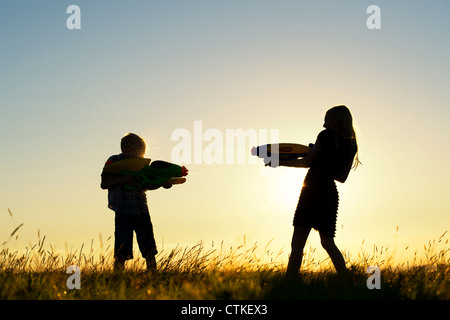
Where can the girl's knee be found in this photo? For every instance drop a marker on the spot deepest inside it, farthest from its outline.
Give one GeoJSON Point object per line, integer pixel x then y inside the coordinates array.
{"type": "Point", "coordinates": [327, 243]}
{"type": "Point", "coordinates": [297, 244]}
{"type": "Point", "coordinates": [299, 237]}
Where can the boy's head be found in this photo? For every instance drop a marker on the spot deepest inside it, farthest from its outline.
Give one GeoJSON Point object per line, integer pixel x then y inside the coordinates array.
{"type": "Point", "coordinates": [132, 146]}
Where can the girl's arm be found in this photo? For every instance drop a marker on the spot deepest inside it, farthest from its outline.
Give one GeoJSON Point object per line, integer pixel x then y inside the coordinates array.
{"type": "Point", "coordinates": [303, 162]}
{"type": "Point", "coordinates": [342, 177]}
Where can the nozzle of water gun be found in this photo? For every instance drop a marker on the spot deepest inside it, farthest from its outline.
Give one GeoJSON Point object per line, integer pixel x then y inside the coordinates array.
{"type": "Point", "coordinates": [184, 171]}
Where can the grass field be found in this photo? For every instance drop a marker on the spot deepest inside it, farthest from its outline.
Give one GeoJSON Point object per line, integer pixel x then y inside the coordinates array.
{"type": "Point", "coordinates": [218, 273]}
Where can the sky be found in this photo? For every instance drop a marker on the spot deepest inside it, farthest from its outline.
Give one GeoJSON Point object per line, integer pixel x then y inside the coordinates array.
{"type": "Point", "coordinates": [67, 97]}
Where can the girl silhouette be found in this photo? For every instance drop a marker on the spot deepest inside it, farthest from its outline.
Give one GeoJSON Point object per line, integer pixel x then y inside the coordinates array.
{"type": "Point", "coordinates": [330, 159]}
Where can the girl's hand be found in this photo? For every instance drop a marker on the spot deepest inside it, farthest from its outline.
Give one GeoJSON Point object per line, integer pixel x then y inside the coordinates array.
{"type": "Point", "coordinates": [297, 163]}
{"type": "Point", "coordinates": [272, 164]}
{"type": "Point", "coordinates": [306, 161]}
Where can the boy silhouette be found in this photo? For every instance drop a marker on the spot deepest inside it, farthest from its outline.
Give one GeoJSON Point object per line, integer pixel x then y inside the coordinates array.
{"type": "Point", "coordinates": [130, 207]}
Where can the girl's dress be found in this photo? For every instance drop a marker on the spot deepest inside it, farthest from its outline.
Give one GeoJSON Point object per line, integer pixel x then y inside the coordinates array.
{"type": "Point", "coordinates": [319, 199]}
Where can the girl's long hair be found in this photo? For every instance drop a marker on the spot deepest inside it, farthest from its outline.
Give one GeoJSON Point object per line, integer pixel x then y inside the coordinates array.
{"type": "Point", "coordinates": [344, 125]}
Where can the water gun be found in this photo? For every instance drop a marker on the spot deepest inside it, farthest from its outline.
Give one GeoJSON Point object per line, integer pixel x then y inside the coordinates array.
{"type": "Point", "coordinates": [156, 172]}
{"type": "Point", "coordinates": [281, 151]}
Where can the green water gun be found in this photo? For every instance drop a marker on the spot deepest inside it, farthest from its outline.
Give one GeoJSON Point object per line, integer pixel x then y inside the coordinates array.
{"type": "Point", "coordinates": [157, 173]}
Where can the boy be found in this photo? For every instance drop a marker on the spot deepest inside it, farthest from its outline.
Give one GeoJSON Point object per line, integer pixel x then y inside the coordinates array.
{"type": "Point", "coordinates": [130, 208]}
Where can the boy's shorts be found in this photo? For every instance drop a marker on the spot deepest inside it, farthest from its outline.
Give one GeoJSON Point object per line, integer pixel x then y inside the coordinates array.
{"type": "Point", "coordinates": [123, 242]}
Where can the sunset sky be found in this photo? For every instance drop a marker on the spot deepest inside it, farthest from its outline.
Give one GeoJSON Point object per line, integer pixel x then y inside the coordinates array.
{"type": "Point", "coordinates": [152, 67]}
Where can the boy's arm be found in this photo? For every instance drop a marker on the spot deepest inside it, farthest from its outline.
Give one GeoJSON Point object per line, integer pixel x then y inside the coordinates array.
{"type": "Point", "coordinates": [149, 187]}
{"type": "Point", "coordinates": [110, 181]}
{"type": "Point", "coordinates": [165, 185]}
{"type": "Point", "coordinates": [303, 162]}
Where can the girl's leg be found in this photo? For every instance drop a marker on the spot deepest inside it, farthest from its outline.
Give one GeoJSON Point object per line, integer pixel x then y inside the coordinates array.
{"type": "Point", "coordinates": [334, 253]}
{"type": "Point", "coordinates": [298, 243]}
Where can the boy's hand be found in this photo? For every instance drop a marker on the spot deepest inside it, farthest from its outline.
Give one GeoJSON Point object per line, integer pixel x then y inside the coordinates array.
{"type": "Point", "coordinates": [166, 185]}
{"type": "Point", "coordinates": [109, 182]}
{"type": "Point", "coordinates": [127, 179]}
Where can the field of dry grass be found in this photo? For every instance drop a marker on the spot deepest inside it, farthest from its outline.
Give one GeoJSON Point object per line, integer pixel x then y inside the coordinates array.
{"type": "Point", "coordinates": [237, 273]}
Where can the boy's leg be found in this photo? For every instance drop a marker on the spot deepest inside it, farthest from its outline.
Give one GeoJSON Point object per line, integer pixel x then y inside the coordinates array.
{"type": "Point", "coordinates": [298, 243]}
{"type": "Point", "coordinates": [151, 262]}
{"type": "Point", "coordinates": [123, 241]}
{"type": "Point", "coordinates": [146, 240]}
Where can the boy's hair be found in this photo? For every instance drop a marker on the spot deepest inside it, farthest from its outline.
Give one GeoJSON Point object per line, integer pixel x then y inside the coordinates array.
{"type": "Point", "coordinates": [344, 125]}
{"type": "Point", "coordinates": [132, 142]}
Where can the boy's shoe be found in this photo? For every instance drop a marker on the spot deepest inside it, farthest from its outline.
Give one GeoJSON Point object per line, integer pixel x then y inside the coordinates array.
{"type": "Point", "coordinates": [151, 263]}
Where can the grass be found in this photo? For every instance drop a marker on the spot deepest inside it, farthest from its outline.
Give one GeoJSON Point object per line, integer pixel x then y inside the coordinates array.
{"type": "Point", "coordinates": [236, 273]}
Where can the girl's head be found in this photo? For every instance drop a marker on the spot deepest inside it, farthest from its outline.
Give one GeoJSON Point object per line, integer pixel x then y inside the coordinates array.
{"type": "Point", "coordinates": [339, 119]}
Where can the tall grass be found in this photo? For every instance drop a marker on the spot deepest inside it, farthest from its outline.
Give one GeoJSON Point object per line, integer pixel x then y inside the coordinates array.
{"type": "Point", "coordinates": [198, 272]}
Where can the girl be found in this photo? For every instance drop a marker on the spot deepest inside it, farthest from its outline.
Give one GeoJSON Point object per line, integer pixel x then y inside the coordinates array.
{"type": "Point", "coordinates": [330, 159]}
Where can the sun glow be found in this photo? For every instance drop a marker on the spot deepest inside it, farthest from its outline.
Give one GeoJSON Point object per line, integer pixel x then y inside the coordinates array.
{"type": "Point", "coordinates": [286, 186]}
